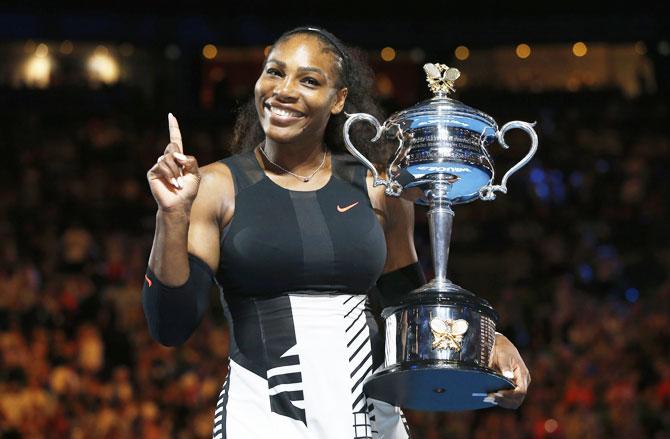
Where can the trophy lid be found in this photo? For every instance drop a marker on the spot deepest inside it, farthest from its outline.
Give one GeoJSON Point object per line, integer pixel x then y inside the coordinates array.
{"type": "Point", "coordinates": [443, 110]}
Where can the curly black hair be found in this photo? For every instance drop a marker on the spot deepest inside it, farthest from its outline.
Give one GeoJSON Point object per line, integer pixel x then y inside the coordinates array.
{"type": "Point", "coordinates": [355, 74]}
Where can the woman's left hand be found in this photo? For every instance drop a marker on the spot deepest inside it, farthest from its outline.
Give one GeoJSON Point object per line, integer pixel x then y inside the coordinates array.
{"type": "Point", "coordinates": [506, 359]}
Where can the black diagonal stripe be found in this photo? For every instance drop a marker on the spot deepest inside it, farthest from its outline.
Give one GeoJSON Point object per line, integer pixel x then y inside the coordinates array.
{"type": "Point", "coordinates": [361, 364]}
{"type": "Point", "coordinates": [286, 378]}
{"type": "Point", "coordinates": [359, 348]}
{"type": "Point", "coordinates": [358, 399]}
{"type": "Point", "coordinates": [350, 297]}
{"type": "Point", "coordinates": [360, 380]}
{"type": "Point", "coordinates": [355, 320]}
{"type": "Point", "coordinates": [355, 336]}
{"type": "Point", "coordinates": [355, 307]}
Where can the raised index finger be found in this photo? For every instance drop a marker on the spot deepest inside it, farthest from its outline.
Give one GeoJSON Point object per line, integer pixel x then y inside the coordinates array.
{"type": "Point", "coordinates": [175, 134]}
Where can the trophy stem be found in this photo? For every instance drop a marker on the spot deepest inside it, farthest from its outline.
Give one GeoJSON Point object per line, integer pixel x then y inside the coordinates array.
{"type": "Point", "coordinates": [440, 220]}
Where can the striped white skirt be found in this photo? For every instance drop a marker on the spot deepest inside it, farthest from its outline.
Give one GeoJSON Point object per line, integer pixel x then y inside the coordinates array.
{"type": "Point", "coordinates": [297, 369]}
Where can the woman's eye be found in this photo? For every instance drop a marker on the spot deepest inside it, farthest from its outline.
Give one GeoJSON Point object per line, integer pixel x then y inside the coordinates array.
{"type": "Point", "coordinates": [311, 81]}
{"type": "Point", "coordinates": [272, 71]}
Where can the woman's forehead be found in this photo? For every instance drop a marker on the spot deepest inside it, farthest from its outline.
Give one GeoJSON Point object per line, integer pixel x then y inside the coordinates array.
{"type": "Point", "coordinates": [304, 51]}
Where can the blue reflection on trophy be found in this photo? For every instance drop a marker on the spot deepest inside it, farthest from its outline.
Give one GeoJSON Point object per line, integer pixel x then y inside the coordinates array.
{"type": "Point", "coordinates": [439, 339]}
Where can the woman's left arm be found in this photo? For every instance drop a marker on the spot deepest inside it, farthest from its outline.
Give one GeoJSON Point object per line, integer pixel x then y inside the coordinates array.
{"type": "Point", "coordinates": [399, 233]}
{"type": "Point", "coordinates": [402, 272]}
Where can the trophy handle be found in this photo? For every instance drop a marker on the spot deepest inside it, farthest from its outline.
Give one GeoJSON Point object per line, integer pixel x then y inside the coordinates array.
{"type": "Point", "coordinates": [487, 192]}
{"type": "Point", "coordinates": [393, 188]}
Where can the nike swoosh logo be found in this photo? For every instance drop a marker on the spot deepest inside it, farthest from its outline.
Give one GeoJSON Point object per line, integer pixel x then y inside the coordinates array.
{"type": "Point", "coordinates": [344, 209]}
{"type": "Point", "coordinates": [146, 278]}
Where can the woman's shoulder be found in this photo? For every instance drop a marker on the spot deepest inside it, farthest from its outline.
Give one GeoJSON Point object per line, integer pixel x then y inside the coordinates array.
{"type": "Point", "coordinates": [217, 185]}
{"type": "Point", "coordinates": [217, 191]}
{"type": "Point", "coordinates": [216, 174]}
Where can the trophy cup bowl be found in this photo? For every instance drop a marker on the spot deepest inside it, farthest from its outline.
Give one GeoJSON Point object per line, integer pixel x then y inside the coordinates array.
{"type": "Point", "coordinates": [440, 337]}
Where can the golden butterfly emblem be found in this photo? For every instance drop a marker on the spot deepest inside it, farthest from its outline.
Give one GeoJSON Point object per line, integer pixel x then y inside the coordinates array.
{"type": "Point", "coordinates": [448, 334]}
{"type": "Point", "coordinates": [441, 77]}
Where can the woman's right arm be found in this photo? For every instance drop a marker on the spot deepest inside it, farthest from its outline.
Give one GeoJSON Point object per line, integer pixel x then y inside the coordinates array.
{"type": "Point", "coordinates": [193, 229]}
{"type": "Point", "coordinates": [192, 205]}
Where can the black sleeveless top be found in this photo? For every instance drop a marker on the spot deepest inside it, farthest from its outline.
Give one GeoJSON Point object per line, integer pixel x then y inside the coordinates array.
{"type": "Point", "coordinates": [281, 241]}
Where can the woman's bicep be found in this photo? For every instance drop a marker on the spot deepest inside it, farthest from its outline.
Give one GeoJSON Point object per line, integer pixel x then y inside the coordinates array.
{"type": "Point", "coordinates": [207, 214]}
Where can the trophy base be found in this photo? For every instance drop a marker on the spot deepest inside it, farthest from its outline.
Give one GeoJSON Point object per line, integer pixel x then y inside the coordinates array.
{"type": "Point", "coordinates": [436, 386]}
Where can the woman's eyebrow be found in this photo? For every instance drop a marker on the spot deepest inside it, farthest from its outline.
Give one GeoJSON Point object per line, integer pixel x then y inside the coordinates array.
{"type": "Point", "coordinates": [275, 61]}
{"type": "Point", "coordinates": [282, 64]}
{"type": "Point", "coordinates": [312, 69]}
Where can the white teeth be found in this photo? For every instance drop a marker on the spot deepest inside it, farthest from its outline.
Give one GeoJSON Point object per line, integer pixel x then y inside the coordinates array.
{"type": "Point", "coordinates": [283, 112]}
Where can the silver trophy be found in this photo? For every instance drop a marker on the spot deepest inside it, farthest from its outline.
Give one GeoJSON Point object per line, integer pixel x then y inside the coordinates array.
{"type": "Point", "coordinates": [439, 339]}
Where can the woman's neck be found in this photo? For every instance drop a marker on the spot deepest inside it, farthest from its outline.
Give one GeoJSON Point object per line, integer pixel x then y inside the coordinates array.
{"type": "Point", "coordinates": [297, 158]}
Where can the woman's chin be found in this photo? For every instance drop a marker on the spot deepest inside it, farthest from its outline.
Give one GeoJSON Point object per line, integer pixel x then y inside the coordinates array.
{"type": "Point", "coordinates": [281, 135]}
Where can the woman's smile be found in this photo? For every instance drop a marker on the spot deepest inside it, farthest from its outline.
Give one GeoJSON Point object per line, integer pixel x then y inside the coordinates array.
{"type": "Point", "coordinates": [281, 114]}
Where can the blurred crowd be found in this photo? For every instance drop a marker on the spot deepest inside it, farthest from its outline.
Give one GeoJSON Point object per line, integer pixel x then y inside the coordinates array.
{"type": "Point", "coordinates": [575, 260]}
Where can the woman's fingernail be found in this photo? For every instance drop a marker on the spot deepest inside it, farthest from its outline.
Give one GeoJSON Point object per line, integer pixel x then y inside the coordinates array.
{"type": "Point", "coordinates": [490, 400]}
{"type": "Point", "coordinates": [508, 374]}
{"type": "Point", "coordinates": [180, 156]}
{"type": "Point", "coordinates": [174, 182]}
{"type": "Point", "coordinates": [181, 182]}
{"type": "Point", "coordinates": [498, 394]}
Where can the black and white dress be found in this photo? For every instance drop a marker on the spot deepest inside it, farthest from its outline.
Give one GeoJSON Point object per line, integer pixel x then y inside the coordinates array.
{"type": "Point", "coordinates": [295, 269]}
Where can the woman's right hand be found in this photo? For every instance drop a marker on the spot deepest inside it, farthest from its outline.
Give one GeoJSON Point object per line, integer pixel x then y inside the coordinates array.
{"type": "Point", "coordinates": [175, 178]}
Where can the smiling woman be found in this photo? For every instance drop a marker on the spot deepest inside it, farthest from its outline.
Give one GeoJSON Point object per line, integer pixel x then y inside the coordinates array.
{"type": "Point", "coordinates": [297, 92]}
{"type": "Point", "coordinates": [348, 68]}
{"type": "Point", "coordinates": [297, 237]}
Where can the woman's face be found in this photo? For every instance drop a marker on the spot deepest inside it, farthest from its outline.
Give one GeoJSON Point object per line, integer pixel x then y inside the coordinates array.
{"type": "Point", "coordinates": [297, 91]}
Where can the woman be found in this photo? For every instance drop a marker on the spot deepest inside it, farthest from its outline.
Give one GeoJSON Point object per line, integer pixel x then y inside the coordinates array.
{"type": "Point", "coordinates": [296, 235]}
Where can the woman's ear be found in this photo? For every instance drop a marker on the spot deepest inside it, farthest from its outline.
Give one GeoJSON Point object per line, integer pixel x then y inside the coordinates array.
{"type": "Point", "coordinates": [340, 98]}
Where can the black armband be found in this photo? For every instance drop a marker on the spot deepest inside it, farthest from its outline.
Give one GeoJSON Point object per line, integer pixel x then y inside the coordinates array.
{"type": "Point", "coordinates": [394, 285]}
{"type": "Point", "coordinates": [173, 313]}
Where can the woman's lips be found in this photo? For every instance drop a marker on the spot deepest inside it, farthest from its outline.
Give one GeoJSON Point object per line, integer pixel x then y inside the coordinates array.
{"type": "Point", "coordinates": [282, 115]}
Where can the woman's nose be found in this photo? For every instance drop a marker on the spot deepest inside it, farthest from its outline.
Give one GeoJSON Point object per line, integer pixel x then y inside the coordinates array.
{"type": "Point", "coordinates": [285, 89]}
